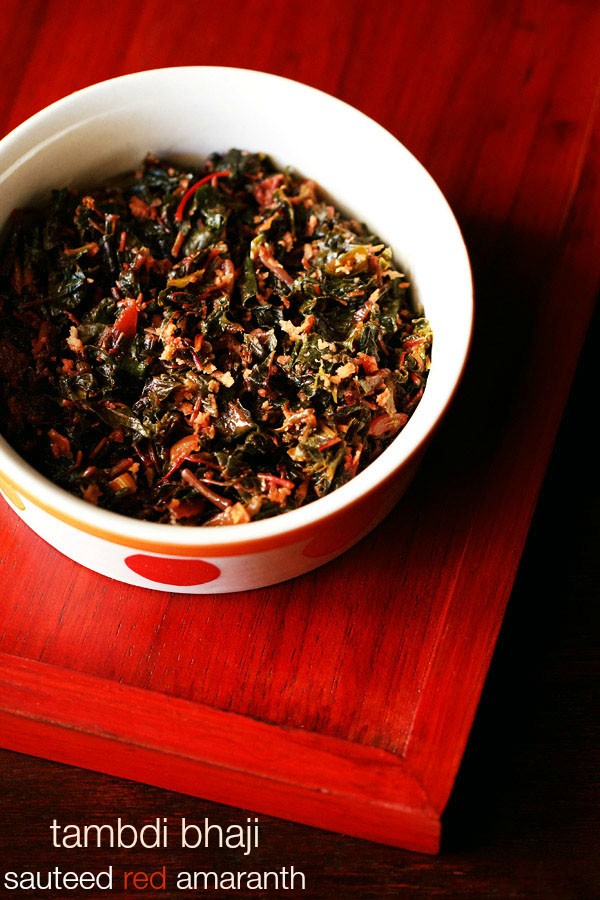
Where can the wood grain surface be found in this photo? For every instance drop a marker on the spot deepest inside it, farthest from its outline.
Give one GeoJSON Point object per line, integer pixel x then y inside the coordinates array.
{"type": "Point", "coordinates": [386, 650]}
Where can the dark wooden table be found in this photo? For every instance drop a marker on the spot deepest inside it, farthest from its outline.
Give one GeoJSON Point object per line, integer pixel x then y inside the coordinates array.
{"type": "Point", "coordinates": [498, 100]}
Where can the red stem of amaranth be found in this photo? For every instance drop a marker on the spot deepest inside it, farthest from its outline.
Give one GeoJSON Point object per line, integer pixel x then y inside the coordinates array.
{"type": "Point", "coordinates": [192, 190]}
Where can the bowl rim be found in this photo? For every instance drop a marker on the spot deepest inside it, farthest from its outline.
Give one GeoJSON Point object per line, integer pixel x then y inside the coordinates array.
{"type": "Point", "coordinates": [45, 493]}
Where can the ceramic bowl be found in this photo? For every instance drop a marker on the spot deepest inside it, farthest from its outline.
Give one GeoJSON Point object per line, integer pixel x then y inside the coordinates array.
{"type": "Point", "coordinates": [187, 113]}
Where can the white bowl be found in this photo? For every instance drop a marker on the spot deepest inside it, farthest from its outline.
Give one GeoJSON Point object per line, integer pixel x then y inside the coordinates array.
{"type": "Point", "coordinates": [187, 113]}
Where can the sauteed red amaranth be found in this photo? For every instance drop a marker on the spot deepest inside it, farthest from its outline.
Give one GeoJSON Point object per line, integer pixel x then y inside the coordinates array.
{"type": "Point", "coordinates": [204, 347]}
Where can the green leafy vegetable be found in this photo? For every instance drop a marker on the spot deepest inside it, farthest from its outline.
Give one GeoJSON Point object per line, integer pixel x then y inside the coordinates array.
{"type": "Point", "coordinates": [204, 347]}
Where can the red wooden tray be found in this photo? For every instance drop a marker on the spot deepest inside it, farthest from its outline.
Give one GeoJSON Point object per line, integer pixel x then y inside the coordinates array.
{"type": "Point", "coordinates": [343, 699]}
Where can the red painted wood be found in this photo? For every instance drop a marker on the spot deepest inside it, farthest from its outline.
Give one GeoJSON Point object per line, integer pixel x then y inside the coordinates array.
{"type": "Point", "coordinates": [185, 746]}
{"type": "Point", "coordinates": [380, 655]}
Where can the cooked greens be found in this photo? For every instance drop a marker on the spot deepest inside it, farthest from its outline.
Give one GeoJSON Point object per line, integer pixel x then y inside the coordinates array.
{"type": "Point", "coordinates": [204, 347]}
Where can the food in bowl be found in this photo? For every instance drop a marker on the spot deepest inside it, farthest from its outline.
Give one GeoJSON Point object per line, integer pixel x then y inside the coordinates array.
{"type": "Point", "coordinates": [185, 114]}
{"type": "Point", "coordinates": [206, 347]}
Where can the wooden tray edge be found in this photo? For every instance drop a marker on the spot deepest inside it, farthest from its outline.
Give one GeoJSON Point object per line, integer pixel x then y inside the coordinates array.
{"type": "Point", "coordinates": [183, 746]}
